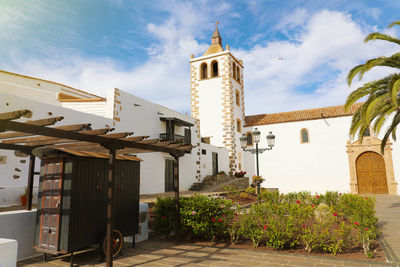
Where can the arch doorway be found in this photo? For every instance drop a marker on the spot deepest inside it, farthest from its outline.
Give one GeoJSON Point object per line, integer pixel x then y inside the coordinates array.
{"type": "Point", "coordinates": [371, 174]}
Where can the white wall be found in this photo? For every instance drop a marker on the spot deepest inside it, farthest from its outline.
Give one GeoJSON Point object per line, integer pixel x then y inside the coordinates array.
{"type": "Point", "coordinates": [20, 225]}
{"type": "Point", "coordinates": [143, 118]}
{"type": "Point", "coordinates": [206, 160]}
{"type": "Point", "coordinates": [317, 166]}
{"type": "Point", "coordinates": [40, 111]}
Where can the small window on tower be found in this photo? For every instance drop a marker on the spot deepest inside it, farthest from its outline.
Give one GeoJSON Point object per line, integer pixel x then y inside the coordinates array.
{"type": "Point", "coordinates": [234, 70]}
{"type": "Point", "coordinates": [237, 96]}
{"type": "Point", "coordinates": [304, 137]}
{"type": "Point", "coordinates": [238, 125]}
{"type": "Point", "coordinates": [214, 66]}
{"type": "Point", "coordinates": [238, 74]}
{"type": "Point", "coordinates": [203, 71]}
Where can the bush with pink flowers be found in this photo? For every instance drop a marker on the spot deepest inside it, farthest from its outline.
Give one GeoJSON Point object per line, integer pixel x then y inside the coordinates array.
{"type": "Point", "coordinates": [332, 222]}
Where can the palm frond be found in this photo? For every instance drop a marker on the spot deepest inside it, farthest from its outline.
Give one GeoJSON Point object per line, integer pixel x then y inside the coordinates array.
{"type": "Point", "coordinates": [392, 128]}
{"type": "Point", "coordinates": [380, 36]}
{"type": "Point", "coordinates": [394, 23]}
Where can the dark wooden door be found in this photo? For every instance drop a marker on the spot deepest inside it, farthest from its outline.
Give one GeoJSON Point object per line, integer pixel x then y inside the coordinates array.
{"type": "Point", "coordinates": [215, 163]}
{"type": "Point", "coordinates": [371, 174]}
{"type": "Point", "coordinates": [188, 137]}
{"type": "Point", "coordinates": [169, 175]}
{"type": "Point", "coordinates": [51, 204]}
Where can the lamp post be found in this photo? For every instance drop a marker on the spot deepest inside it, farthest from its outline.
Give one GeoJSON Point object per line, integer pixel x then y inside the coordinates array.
{"type": "Point", "coordinates": [256, 139]}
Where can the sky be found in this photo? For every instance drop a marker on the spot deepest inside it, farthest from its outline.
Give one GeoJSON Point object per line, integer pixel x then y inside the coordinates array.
{"type": "Point", "coordinates": [296, 53]}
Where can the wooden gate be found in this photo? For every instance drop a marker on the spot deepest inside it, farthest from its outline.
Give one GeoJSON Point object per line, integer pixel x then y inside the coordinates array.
{"type": "Point", "coordinates": [371, 174]}
{"type": "Point", "coordinates": [51, 204]}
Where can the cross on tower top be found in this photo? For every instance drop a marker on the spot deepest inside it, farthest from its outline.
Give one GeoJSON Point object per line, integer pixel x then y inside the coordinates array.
{"type": "Point", "coordinates": [216, 23]}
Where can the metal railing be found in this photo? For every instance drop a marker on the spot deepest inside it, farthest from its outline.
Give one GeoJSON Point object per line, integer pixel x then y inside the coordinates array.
{"type": "Point", "coordinates": [174, 138]}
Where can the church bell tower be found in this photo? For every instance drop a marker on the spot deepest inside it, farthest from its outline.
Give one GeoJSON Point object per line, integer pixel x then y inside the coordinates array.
{"type": "Point", "coordinates": [217, 98]}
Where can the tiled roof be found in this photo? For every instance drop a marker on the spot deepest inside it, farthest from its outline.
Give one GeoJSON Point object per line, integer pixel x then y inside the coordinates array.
{"type": "Point", "coordinates": [301, 115]}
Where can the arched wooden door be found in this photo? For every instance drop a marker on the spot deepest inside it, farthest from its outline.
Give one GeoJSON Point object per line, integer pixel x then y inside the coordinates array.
{"type": "Point", "coordinates": [371, 174]}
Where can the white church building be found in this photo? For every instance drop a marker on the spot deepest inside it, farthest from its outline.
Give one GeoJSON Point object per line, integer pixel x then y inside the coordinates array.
{"type": "Point", "coordinates": [312, 150]}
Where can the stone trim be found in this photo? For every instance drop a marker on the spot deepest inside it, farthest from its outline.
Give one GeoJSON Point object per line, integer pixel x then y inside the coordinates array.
{"type": "Point", "coordinates": [372, 144]}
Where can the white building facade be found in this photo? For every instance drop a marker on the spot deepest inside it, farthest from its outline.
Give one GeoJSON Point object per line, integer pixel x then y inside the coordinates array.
{"type": "Point", "coordinates": [119, 110]}
{"type": "Point", "coordinates": [312, 151]}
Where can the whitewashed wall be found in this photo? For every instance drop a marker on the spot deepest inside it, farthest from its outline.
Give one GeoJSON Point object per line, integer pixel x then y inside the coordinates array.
{"type": "Point", "coordinates": [143, 118]}
{"type": "Point", "coordinates": [210, 99]}
{"type": "Point", "coordinates": [318, 166]}
{"type": "Point", "coordinates": [40, 111]}
{"type": "Point", "coordinates": [206, 159]}
{"type": "Point", "coordinates": [20, 225]}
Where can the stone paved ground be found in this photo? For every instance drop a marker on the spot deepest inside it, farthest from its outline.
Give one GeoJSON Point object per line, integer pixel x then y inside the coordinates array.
{"type": "Point", "coordinates": [162, 253]}
{"type": "Point", "coordinates": [388, 212]}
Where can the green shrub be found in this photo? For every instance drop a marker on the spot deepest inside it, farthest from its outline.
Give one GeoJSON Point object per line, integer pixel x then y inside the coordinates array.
{"type": "Point", "coordinates": [200, 215]}
{"type": "Point", "coordinates": [164, 219]}
{"type": "Point", "coordinates": [330, 222]}
{"type": "Point", "coordinates": [244, 195]}
{"type": "Point", "coordinates": [250, 190]}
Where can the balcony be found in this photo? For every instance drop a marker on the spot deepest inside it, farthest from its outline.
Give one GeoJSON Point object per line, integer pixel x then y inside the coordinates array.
{"type": "Point", "coordinates": [174, 137]}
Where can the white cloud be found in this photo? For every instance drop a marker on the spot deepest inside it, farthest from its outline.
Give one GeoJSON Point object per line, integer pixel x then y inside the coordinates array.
{"type": "Point", "coordinates": [329, 45]}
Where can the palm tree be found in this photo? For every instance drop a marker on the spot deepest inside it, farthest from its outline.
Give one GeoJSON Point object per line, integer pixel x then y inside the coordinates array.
{"type": "Point", "coordinates": [382, 96]}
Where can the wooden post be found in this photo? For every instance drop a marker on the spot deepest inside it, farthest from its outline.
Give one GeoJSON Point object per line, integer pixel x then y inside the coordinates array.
{"type": "Point", "coordinates": [31, 175]}
{"type": "Point", "coordinates": [110, 202]}
{"type": "Point", "coordinates": [176, 189]}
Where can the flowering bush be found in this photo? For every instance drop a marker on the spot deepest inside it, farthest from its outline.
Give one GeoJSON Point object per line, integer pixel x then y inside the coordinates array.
{"type": "Point", "coordinates": [200, 216]}
{"type": "Point", "coordinates": [331, 222]}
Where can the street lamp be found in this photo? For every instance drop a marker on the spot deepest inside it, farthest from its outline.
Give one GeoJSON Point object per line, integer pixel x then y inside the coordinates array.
{"type": "Point", "coordinates": [256, 139]}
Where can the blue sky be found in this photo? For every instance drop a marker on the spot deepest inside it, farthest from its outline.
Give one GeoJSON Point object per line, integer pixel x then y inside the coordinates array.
{"type": "Point", "coordinates": [144, 47]}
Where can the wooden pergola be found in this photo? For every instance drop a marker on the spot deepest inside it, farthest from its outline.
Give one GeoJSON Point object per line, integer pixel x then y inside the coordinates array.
{"type": "Point", "coordinates": [80, 138]}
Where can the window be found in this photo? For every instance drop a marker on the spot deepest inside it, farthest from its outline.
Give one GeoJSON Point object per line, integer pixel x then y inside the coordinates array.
{"type": "Point", "coordinates": [237, 95]}
{"type": "Point", "coordinates": [203, 151]}
{"type": "Point", "coordinates": [238, 74]}
{"type": "Point", "coordinates": [203, 71]}
{"type": "Point", "coordinates": [249, 136]}
{"type": "Point", "coordinates": [214, 67]}
{"type": "Point", "coordinates": [238, 125]}
{"type": "Point", "coordinates": [234, 70]}
{"type": "Point", "coordinates": [304, 137]}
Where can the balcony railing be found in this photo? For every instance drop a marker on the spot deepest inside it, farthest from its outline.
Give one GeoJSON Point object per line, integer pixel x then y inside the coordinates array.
{"type": "Point", "coordinates": [174, 138]}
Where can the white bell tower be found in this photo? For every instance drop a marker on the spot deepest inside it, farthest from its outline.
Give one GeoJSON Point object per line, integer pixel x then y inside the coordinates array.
{"type": "Point", "coordinates": [217, 98]}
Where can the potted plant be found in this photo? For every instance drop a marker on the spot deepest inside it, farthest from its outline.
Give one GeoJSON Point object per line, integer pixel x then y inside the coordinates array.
{"type": "Point", "coordinates": [240, 174]}
{"type": "Point", "coordinates": [24, 197]}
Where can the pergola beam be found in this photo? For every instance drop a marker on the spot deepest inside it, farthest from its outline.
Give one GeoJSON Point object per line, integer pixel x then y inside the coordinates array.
{"type": "Point", "coordinates": [104, 141]}
{"type": "Point", "coordinates": [39, 139]}
{"type": "Point", "coordinates": [72, 127]}
{"type": "Point", "coordinates": [13, 115]}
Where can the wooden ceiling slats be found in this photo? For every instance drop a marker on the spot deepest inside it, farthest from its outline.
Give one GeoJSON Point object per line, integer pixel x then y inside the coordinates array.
{"type": "Point", "coordinates": [13, 115]}
{"type": "Point", "coordinates": [47, 138]}
{"type": "Point", "coordinates": [165, 143]}
{"type": "Point", "coordinates": [118, 135]}
{"type": "Point", "coordinates": [149, 141]}
{"type": "Point", "coordinates": [119, 141]}
{"type": "Point", "coordinates": [173, 145]}
{"type": "Point", "coordinates": [136, 138]}
{"type": "Point", "coordinates": [184, 148]}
